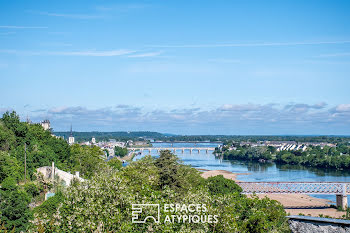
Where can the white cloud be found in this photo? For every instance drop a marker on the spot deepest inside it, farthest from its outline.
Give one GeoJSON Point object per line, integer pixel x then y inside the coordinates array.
{"type": "Point", "coordinates": [92, 53]}
{"type": "Point", "coordinates": [250, 44]}
{"type": "Point", "coordinates": [107, 53]}
{"type": "Point", "coordinates": [343, 108]}
{"type": "Point", "coordinates": [335, 55]}
{"type": "Point", "coordinates": [224, 60]}
{"type": "Point", "coordinates": [7, 33]}
{"type": "Point", "coordinates": [72, 16]}
{"type": "Point", "coordinates": [21, 27]}
{"type": "Point", "coordinates": [293, 117]}
{"type": "Point", "coordinates": [150, 54]}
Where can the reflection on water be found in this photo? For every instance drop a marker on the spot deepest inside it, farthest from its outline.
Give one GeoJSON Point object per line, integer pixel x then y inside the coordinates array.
{"type": "Point", "coordinates": [258, 171]}
{"type": "Point", "coordinates": [317, 171]}
{"type": "Point", "coordinates": [253, 166]}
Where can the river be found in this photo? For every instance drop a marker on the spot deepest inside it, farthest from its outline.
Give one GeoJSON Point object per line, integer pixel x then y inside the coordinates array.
{"type": "Point", "coordinates": [257, 171]}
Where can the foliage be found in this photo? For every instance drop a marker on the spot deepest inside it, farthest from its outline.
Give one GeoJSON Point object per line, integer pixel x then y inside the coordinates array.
{"type": "Point", "coordinates": [32, 189]}
{"type": "Point", "coordinates": [42, 147]}
{"type": "Point", "coordinates": [8, 166]}
{"type": "Point", "coordinates": [328, 157]}
{"type": "Point", "coordinates": [168, 169]}
{"type": "Point", "coordinates": [218, 185]}
{"type": "Point", "coordinates": [248, 153]}
{"type": "Point", "coordinates": [120, 151]}
{"type": "Point", "coordinates": [49, 206]}
{"type": "Point", "coordinates": [86, 159]}
{"type": "Point", "coordinates": [115, 163]}
{"type": "Point", "coordinates": [14, 211]}
{"type": "Point", "coordinates": [103, 203]}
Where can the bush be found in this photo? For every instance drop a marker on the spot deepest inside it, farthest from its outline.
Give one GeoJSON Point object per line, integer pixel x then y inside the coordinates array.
{"type": "Point", "coordinates": [31, 189]}
{"type": "Point", "coordinates": [219, 185]}
{"type": "Point", "coordinates": [115, 163]}
{"type": "Point", "coordinates": [49, 206]}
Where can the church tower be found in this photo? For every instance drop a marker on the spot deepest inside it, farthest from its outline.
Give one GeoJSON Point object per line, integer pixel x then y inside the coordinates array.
{"type": "Point", "coordinates": [71, 138]}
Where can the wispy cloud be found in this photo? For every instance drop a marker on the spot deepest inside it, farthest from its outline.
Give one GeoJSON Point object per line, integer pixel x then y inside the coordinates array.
{"type": "Point", "coordinates": [108, 53]}
{"type": "Point", "coordinates": [121, 7]}
{"type": "Point", "coordinates": [335, 55]}
{"type": "Point", "coordinates": [7, 33]}
{"type": "Point", "coordinates": [250, 44]}
{"type": "Point", "coordinates": [92, 53]}
{"type": "Point", "coordinates": [56, 44]}
{"type": "Point", "coordinates": [21, 27]}
{"type": "Point", "coordinates": [150, 54]}
{"type": "Point", "coordinates": [72, 16]}
{"type": "Point", "coordinates": [224, 60]}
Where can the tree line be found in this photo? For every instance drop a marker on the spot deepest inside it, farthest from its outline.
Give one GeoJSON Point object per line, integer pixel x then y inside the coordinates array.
{"type": "Point", "coordinates": [314, 156]}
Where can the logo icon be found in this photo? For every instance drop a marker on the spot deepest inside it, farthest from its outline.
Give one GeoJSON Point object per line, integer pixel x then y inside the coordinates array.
{"type": "Point", "coordinates": [137, 210]}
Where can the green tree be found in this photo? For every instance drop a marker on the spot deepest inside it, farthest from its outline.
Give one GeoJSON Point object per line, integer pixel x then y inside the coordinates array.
{"type": "Point", "coordinates": [9, 167]}
{"type": "Point", "coordinates": [14, 211]}
{"type": "Point", "coordinates": [168, 166]}
{"type": "Point", "coordinates": [120, 151]}
{"type": "Point", "coordinates": [87, 160]}
{"type": "Point", "coordinates": [115, 163]}
{"type": "Point", "coordinates": [218, 185]}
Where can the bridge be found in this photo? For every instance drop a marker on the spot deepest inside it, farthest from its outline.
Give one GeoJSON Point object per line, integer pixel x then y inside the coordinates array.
{"type": "Point", "coordinates": [340, 189]}
{"type": "Point", "coordinates": [173, 149]}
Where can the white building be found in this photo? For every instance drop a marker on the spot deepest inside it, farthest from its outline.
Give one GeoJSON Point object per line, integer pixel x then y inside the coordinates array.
{"type": "Point", "coordinates": [93, 140]}
{"type": "Point", "coordinates": [45, 124]}
{"type": "Point", "coordinates": [71, 139]}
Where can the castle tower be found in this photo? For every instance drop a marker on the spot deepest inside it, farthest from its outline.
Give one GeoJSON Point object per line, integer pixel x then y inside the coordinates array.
{"type": "Point", "coordinates": [46, 124]}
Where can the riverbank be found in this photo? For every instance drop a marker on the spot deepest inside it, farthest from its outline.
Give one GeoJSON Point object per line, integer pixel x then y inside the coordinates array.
{"type": "Point", "coordinates": [127, 158]}
{"type": "Point", "coordinates": [294, 204]}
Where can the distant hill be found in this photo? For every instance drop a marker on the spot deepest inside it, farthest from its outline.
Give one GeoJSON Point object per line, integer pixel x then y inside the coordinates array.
{"type": "Point", "coordinates": [105, 136]}
{"type": "Point", "coordinates": [144, 135]}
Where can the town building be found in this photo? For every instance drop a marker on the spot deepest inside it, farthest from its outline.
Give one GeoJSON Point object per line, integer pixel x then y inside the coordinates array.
{"type": "Point", "coordinates": [71, 137]}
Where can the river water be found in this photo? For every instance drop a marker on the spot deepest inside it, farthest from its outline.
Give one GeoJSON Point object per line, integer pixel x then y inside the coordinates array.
{"type": "Point", "coordinates": [257, 171]}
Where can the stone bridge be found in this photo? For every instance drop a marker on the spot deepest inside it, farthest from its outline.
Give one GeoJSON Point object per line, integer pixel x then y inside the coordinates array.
{"type": "Point", "coordinates": [173, 149]}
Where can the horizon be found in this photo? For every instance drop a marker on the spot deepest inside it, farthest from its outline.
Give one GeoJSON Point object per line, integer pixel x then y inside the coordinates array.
{"type": "Point", "coordinates": [185, 67]}
{"type": "Point", "coordinates": [172, 134]}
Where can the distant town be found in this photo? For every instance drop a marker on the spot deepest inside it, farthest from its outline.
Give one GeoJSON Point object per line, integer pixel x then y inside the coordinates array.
{"type": "Point", "coordinates": [109, 145]}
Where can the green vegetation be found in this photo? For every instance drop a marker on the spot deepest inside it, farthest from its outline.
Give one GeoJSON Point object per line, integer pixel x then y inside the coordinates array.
{"type": "Point", "coordinates": [14, 211]}
{"type": "Point", "coordinates": [248, 153]}
{"type": "Point", "coordinates": [120, 151]}
{"type": "Point", "coordinates": [115, 163]}
{"type": "Point", "coordinates": [328, 157]}
{"type": "Point", "coordinates": [103, 203]}
{"type": "Point", "coordinates": [220, 185]}
{"type": "Point", "coordinates": [41, 150]}
{"type": "Point", "coordinates": [85, 159]}
{"type": "Point", "coordinates": [49, 206]}
{"type": "Point", "coordinates": [314, 156]}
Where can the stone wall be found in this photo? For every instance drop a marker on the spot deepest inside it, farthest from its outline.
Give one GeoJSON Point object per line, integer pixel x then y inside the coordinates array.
{"type": "Point", "coordinates": [62, 175]}
{"type": "Point", "coordinates": [312, 224]}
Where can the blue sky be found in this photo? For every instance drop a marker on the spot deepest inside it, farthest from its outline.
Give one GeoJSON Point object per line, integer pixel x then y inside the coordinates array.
{"type": "Point", "coordinates": [186, 67]}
